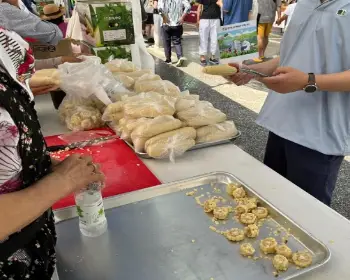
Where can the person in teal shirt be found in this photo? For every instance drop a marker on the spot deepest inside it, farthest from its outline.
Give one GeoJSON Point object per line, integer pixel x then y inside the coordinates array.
{"type": "Point", "coordinates": [236, 11]}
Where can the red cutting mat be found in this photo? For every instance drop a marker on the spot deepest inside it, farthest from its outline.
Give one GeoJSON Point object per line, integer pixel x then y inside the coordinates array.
{"type": "Point", "coordinates": [124, 171]}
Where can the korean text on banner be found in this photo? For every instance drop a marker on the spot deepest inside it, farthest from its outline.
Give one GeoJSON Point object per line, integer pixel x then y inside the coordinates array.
{"type": "Point", "coordinates": [238, 42]}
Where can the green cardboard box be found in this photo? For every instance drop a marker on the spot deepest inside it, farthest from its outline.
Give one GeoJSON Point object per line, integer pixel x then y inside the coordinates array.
{"type": "Point", "coordinates": [106, 24]}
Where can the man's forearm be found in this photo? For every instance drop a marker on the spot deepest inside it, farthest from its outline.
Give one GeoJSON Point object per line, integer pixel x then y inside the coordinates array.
{"type": "Point", "coordinates": [267, 67]}
{"type": "Point", "coordinates": [338, 82]}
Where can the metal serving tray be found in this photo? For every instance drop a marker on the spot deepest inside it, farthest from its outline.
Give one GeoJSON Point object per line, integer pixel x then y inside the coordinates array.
{"type": "Point", "coordinates": [159, 233]}
{"type": "Point", "coordinates": [196, 147]}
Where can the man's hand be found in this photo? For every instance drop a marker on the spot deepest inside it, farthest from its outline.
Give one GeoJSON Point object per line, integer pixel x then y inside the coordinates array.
{"type": "Point", "coordinates": [70, 59]}
{"type": "Point", "coordinates": [286, 80]}
{"type": "Point", "coordinates": [279, 21]}
{"type": "Point", "coordinates": [182, 19]}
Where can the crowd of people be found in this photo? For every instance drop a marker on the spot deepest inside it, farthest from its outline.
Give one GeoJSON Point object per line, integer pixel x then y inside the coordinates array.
{"type": "Point", "coordinates": [211, 14]}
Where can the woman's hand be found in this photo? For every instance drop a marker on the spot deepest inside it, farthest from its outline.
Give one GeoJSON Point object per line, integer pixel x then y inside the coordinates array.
{"type": "Point", "coordinates": [77, 172]}
{"type": "Point", "coordinates": [42, 89]}
{"type": "Point", "coordinates": [70, 59]}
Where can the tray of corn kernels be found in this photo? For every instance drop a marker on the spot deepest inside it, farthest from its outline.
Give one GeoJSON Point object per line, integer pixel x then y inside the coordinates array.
{"type": "Point", "coordinates": [267, 244]}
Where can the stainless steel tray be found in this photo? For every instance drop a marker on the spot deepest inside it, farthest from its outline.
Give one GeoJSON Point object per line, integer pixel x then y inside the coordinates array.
{"type": "Point", "coordinates": [160, 233]}
{"type": "Point", "coordinates": [196, 147]}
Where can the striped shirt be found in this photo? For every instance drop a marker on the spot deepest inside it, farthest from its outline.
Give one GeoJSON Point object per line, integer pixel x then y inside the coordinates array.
{"type": "Point", "coordinates": [174, 10]}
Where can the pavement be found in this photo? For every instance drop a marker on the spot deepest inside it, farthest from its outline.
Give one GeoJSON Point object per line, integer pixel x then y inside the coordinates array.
{"type": "Point", "coordinates": [241, 104]}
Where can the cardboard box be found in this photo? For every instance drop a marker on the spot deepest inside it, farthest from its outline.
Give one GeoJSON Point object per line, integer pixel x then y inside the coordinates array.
{"type": "Point", "coordinates": [42, 51]}
{"type": "Point", "coordinates": [106, 24]}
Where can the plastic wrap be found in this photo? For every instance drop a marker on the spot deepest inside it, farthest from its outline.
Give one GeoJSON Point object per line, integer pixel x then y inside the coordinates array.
{"type": "Point", "coordinates": [84, 118]}
{"type": "Point", "coordinates": [121, 65]}
{"type": "Point", "coordinates": [185, 102]}
{"type": "Point", "coordinates": [113, 112]}
{"type": "Point", "coordinates": [201, 115]}
{"type": "Point", "coordinates": [171, 144]}
{"type": "Point", "coordinates": [125, 80]}
{"type": "Point", "coordinates": [216, 132]}
{"type": "Point", "coordinates": [149, 105]}
{"type": "Point", "coordinates": [128, 125]}
{"type": "Point", "coordinates": [152, 128]}
{"type": "Point", "coordinates": [87, 79]}
{"type": "Point", "coordinates": [162, 87]}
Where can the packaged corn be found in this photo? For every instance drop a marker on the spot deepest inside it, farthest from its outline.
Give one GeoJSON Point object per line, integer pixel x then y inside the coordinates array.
{"type": "Point", "coordinates": [152, 128]}
{"type": "Point", "coordinates": [216, 132]}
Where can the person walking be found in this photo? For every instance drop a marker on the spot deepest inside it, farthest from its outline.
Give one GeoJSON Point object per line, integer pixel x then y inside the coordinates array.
{"type": "Point", "coordinates": [173, 13]}
{"type": "Point", "coordinates": [287, 16]}
{"type": "Point", "coordinates": [266, 17]}
{"type": "Point", "coordinates": [307, 108]}
{"type": "Point", "coordinates": [149, 23]}
{"type": "Point", "coordinates": [208, 20]}
{"type": "Point", "coordinates": [236, 11]}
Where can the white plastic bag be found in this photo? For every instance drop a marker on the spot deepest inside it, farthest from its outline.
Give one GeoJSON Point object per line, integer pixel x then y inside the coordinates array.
{"type": "Point", "coordinates": [88, 78]}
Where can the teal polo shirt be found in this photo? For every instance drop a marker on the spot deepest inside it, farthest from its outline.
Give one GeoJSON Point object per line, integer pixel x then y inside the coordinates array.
{"type": "Point", "coordinates": [317, 40]}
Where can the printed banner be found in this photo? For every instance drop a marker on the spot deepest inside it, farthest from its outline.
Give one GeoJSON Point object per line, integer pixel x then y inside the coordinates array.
{"type": "Point", "coordinates": [238, 42]}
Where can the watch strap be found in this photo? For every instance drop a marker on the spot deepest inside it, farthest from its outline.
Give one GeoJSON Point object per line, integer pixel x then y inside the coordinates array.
{"type": "Point", "coordinates": [312, 79]}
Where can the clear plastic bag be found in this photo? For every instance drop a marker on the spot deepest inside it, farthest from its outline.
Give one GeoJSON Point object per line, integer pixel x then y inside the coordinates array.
{"type": "Point", "coordinates": [87, 79]}
{"type": "Point", "coordinates": [121, 65]}
{"type": "Point", "coordinates": [128, 125]}
{"type": "Point", "coordinates": [201, 115]}
{"type": "Point", "coordinates": [84, 118]}
{"type": "Point", "coordinates": [113, 112]}
{"type": "Point", "coordinates": [216, 132]}
{"type": "Point", "coordinates": [162, 87]}
{"type": "Point", "coordinates": [171, 144]}
{"type": "Point", "coordinates": [185, 102]}
{"type": "Point", "coordinates": [152, 128]}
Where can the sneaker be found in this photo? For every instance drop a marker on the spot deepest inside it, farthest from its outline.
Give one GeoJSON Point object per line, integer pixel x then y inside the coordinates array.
{"type": "Point", "coordinates": [214, 61]}
{"type": "Point", "coordinates": [204, 63]}
{"type": "Point", "coordinates": [168, 61]}
{"type": "Point", "coordinates": [180, 62]}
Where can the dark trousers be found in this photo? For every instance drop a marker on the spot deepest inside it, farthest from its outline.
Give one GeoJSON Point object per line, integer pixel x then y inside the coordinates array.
{"type": "Point", "coordinates": [174, 34]}
{"type": "Point", "coordinates": [314, 172]}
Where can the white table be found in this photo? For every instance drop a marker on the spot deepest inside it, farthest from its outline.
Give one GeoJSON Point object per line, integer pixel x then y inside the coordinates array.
{"type": "Point", "coordinates": [318, 219]}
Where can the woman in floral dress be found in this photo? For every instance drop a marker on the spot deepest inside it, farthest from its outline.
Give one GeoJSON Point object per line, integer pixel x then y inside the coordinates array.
{"type": "Point", "coordinates": [29, 182]}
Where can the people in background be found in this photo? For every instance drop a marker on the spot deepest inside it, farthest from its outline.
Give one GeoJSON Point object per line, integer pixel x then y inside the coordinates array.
{"type": "Point", "coordinates": [55, 14]}
{"type": "Point", "coordinates": [266, 17]}
{"type": "Point", "coordinates": [236, 11]}
{"type": "Point", "coordinates": [208, 20]}
{"type": "Point", "coordinates": [27, 24]}
{"type": "Point", "coordinates": [173, 13]}
{"type": "Point", "coordinates": [149, 23]}
{"type": "Point", "coordinates": [287, 16]}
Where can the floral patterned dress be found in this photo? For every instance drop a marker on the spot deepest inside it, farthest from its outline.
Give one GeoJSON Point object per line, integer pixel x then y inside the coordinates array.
{"type": "Point", "coordinates": [29, 253]}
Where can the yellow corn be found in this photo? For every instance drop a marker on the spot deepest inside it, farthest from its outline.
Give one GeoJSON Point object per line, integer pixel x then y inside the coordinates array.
{"type": "Point", "coordinates": [221, 70]}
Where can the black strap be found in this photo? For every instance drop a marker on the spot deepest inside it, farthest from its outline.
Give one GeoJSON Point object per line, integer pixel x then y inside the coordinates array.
{"type": "Point", "coordinates": [17, 241]}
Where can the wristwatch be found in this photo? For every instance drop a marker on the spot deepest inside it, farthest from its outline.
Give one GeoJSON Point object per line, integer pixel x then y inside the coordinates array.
{"type": "Point", "coordinates": [311, 84]}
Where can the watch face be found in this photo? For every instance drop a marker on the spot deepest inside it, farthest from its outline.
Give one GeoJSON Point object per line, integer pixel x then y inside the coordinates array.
{"type": "Point", "coordinates": [310, 88]}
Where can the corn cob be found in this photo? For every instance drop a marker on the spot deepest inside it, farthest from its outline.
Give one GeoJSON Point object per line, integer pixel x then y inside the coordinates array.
{"type": "Point", "coordinates": [221, 70]}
